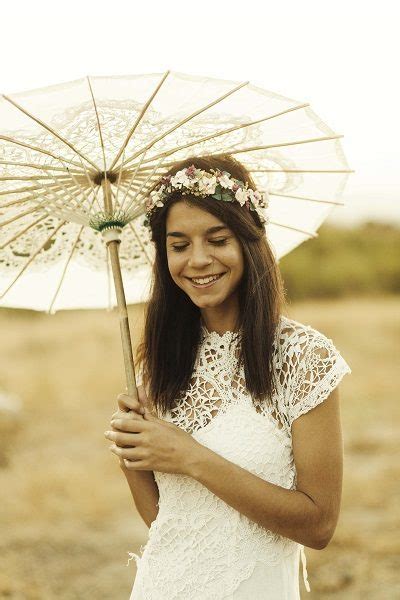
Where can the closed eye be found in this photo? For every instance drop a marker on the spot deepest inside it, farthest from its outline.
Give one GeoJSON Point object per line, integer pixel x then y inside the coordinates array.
{"type": "Point", "coordinates": [215, 242]}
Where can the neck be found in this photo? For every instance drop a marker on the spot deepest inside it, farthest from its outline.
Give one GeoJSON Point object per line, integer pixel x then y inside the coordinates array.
{"type": "Point", "coordinates": [219, 319]}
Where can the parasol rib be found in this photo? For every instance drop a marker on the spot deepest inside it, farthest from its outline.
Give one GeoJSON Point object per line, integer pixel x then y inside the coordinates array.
{"type": "Point", "coordinates": [185, 120]}
{"type": "Point", "coordinates": [28, 198]}
{"type": "Point", "coordinates": [169, 152]}
{"type": "Point", "coordinates": [137, 178]}
{"type": "Point", "coordinates": [83, 190]}
{"type": "Point", "coordinates": [133, 178]}
{"type": "Point", "coordinates": [22, 231]}
{"type": "Point", "coordinates": [300, 170]}
{"type": "Point", "coordinates": [36, 149]}
{"type": "Point", "coordinates": [225, 132]}
{"type": "Point", "coordinates": [65, 269]}
{"type": "Point", "coordinates": [36, 166]}
{"type": "Point", "coordinates": [139, 118]}
{"type": "Point", "coordinates": [67, 263]}
{"type": "Point", "coordinates": [119, 181]}
{"type": "Point", "coordinates": [284, 144]}
{"type": "Point", "coordinates": [78, 202]}
{"type": "Point", "coordinates": [58, 202]}
{"type": "Point", "coordinates": [29, 177]}
{"type": "Point", "coordinates": [143, 185]}
{"type": "Point", "coordinates": [20, 215]}
{"type": "Point", "coordinates": [134, 186]}
{"type": "Point", "coordinates": [90, 181]}
{"type": "Point", "coordinates": [56, 187]}
{"type": "Point", "coordinates": [132, 197]}
{"type": "Point", "coordinates": [32, 258]}
{"type": "Point", "coordinates": [306, 198]}
{"type": "Point", "coordinates": [140, 243]}
{"type": "Point", "coordinates": [98, 127]}
{"type": "Point", "coordinates": [50, 130]}
{"type": "Point", "coordinates": [309, 233]}
{"type": "Point", "coordinates": [130, 184]}
{"type": "Point", "coordinates": [46, 205]}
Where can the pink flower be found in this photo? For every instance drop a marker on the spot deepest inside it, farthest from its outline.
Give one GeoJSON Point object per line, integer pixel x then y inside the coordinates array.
{"type": "Point", "coordinates": [190, 171]}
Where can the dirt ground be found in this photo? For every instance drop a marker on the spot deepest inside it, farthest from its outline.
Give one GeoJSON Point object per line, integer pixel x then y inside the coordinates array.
{"type": "Point", "coordinates": [67, 517]}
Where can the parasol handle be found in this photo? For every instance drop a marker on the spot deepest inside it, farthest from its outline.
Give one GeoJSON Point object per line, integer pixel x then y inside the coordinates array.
{"type": "Point", "coordinates": [113, 250]}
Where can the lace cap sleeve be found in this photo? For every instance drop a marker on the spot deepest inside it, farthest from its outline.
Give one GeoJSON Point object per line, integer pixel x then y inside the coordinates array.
{"type": "Point", "coordinates": [318, 367]}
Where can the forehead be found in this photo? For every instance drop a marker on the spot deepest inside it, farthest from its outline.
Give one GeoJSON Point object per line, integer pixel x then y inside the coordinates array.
{"type": "Point", "coordinates": [190, 220]}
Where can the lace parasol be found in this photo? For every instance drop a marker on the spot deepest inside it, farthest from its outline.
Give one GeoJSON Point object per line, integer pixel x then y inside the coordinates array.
{"type": "Point", "coordinates": [77, 160]}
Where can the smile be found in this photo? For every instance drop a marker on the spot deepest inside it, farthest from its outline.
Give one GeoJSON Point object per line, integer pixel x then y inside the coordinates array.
{"type": "Point", "coordinates": [208, 282]}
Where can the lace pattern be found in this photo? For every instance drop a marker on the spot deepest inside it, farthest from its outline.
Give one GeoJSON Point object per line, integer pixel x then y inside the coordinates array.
{"type": "Point", "coordinates": [198, 543]}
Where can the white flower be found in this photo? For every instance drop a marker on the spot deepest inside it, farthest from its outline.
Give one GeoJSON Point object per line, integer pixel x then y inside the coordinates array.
{"type": "Point", "coordinates": [251, 196]}
{"type": "Point", "coordinates": [192, 183]}
{"type": "Point", "coordinates": [207, 183]}
{"type": "Point", "coordinates": [241, 196]}
{"type": "Point", "coordinates": [180, 178]}
{"type": "Point", "coordinates": [260, 213]}
{"type": "Point", "coordinates": [225, 181]}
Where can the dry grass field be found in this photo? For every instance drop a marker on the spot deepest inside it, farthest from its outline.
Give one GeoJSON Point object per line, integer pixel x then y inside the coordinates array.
{"type": "Point", "coordinates": [67, 517]}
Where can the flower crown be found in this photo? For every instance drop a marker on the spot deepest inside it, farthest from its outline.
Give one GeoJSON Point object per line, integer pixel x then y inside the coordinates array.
{"type": "Point", "coordinates": [216, 184]}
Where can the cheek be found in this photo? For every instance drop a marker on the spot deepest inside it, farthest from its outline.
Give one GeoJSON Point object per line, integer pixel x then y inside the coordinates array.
{"type": "Point", "coordinates": [233, 259]}
{"type": "Point", "coordinates": [175, 263]}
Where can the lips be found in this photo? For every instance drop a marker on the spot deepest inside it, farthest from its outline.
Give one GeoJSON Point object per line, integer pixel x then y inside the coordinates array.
{"type": "Point", "coordinates": [207, 285]}
{"type": "Point", "coordinates": [205, 276]}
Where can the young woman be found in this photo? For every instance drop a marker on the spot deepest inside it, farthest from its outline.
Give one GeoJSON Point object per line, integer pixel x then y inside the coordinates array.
{"type": "Point", "coordinates": [237, 462]}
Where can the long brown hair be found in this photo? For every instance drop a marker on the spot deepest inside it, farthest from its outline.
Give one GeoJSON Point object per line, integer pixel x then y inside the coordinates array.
{"type": "Point", "coordinates": [172, 330]}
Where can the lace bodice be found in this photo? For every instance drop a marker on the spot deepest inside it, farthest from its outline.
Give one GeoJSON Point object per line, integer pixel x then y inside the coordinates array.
{"type": "Point", "coordinates": [199, 546]}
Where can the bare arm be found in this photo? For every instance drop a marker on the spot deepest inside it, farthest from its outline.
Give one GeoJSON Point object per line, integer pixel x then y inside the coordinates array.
{"type": "Point", "coordinates": [144, 492]}
{"type": "Point", "coordinates": [308, 514]}
{"type": "Point", "coordinates": [142, 484]}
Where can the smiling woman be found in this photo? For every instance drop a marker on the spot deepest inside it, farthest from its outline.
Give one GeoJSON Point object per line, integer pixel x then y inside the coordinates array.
{"type": "Point", "coordinates": [250, 296]}
{"type": "Point", "coordinates": [244, 439]}
{"type": "Point", "coordinates": [207, 265]}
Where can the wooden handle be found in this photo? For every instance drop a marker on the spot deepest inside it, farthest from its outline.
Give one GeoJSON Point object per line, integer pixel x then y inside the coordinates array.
{"type": "Point", "coordinates": [113, 249]}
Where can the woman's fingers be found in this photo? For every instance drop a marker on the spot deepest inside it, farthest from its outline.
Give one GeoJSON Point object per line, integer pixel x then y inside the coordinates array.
{"type": "Point", "coordinates": [129, 408]}
{"type": "Point", "coordinates": [131, 425]}
{"type": "Point", "coordinates": [126, 403]}
{"type": "Point", "coordinates": [122, 439]}
{"type": "Point", "coordinates": [128, 453]}
{"type": "Point", "coordinates": [122, 416]}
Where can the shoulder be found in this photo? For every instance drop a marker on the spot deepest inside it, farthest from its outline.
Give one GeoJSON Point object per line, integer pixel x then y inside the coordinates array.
{"type": "Point", "coordinates": [296, 337]}
{"type": "Point", "coordinates": [304, 352]}
{"type": "Point", "coordinates": [310, 365]}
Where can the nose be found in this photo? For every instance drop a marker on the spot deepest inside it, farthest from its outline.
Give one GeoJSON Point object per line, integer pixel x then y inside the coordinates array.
{"type": "Point", "coordinates": [199, 257]}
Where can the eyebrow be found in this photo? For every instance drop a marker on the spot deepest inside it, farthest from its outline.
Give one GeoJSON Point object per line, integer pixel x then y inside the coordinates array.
{"type": "Point", "coordinates": [209, 230]}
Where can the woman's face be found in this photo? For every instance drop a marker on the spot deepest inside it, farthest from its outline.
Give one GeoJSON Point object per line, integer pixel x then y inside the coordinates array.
{"type": "Point", "coordinates": [195, 252]}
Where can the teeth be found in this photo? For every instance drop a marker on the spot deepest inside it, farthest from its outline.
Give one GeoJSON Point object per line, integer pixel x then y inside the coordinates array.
{"type": "Point", "coordinates": [207, 280]}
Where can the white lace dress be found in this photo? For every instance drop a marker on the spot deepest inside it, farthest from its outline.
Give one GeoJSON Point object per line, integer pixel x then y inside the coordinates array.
{"type": "Point", "coordinates": [199, 547]}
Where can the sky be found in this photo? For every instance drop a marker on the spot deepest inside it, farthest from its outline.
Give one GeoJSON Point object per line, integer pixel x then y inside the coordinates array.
{"type": "Point", "coordinates": [340, 57]}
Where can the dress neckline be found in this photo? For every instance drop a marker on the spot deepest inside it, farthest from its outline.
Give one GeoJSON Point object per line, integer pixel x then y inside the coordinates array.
{"type": "Point", "coordinates": [226, 335]}
{"type": "Point", "coordinates": [233, 335]}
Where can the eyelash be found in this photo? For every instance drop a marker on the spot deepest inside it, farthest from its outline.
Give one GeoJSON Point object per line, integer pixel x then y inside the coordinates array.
{"type": "Point", "coordinates": [216, 242]}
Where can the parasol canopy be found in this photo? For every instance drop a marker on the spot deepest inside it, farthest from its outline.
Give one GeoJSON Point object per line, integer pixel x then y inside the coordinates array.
{"type": "Point", "coordinates": [76, 155]}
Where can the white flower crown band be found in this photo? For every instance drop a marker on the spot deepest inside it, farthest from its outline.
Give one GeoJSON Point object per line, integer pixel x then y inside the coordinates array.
{"type": "Point", "coordinates": [216, 184]}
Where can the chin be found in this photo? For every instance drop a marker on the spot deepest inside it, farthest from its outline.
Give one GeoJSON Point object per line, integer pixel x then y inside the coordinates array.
{"type": "Point", "coordinates": [205, 304]}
